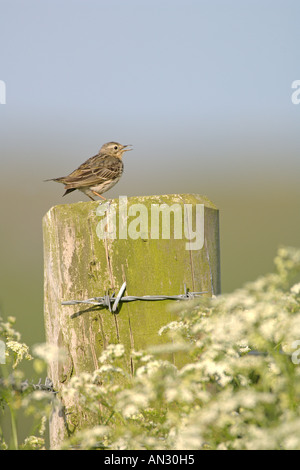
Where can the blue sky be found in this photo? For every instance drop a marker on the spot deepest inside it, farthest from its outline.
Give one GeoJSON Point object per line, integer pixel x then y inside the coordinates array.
{"type": "Point", "coordinates": [201, 88]}
{"type": "Point", "coordinates": [194, 83]}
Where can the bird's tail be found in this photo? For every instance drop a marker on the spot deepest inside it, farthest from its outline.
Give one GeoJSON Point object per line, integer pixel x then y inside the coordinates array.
{"type": "Point", "coordinates": [69, 191]}
{"type": "Point", "coordinates": [59, 180]}
{"type": "Point", "coordinates": [62, 180]}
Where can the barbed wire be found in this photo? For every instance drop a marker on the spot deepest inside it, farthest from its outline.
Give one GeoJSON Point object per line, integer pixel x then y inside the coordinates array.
{"type": "Point", "coordinates": [112, 302]}
{"type": "Point", "coordinates": [26, 385]}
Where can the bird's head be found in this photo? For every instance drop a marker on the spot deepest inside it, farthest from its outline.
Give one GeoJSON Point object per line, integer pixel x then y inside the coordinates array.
{"type": "Point", "coordinates": [115, 149]}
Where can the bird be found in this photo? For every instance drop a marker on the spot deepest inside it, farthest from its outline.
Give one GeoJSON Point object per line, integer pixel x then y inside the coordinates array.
{"type": "Point", "coordinates": [97, 174]}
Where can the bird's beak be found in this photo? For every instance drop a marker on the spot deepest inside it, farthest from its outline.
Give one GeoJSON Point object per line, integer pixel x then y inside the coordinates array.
{"type": "Point", "coordinates": [125, 149]}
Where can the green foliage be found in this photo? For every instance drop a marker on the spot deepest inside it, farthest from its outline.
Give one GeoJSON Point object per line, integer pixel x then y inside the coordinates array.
{"type": "Point", "coordinates": [239, 390]}
{"type": "Point", "coordinates": [17, 397]}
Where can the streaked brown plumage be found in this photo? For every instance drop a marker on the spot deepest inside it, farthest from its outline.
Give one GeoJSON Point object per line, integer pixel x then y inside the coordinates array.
{"type": "Point", "coordinates": [99, 173]}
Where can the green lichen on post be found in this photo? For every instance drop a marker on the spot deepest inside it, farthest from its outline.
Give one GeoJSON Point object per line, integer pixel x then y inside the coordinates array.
{"type": "Point", "coordinates": [79, 265]}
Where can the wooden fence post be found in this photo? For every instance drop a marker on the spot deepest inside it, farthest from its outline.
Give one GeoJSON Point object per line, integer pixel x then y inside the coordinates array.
{"type": "Point", "coordinates": [79, 264]}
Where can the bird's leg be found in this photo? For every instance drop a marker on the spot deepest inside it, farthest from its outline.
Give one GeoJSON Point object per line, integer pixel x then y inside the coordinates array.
{"type": "Point", "coordinates": [102, 197]}
{"type": "Point", "coordinates": [91, 197]}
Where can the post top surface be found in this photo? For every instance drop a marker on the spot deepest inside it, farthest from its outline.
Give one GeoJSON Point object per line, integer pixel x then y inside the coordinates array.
{"type": "Point", "coordinates": [149, 199]}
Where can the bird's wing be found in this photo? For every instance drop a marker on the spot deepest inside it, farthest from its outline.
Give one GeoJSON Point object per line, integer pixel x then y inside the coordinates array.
{"type": "Point", "coordinates": [95, 170]}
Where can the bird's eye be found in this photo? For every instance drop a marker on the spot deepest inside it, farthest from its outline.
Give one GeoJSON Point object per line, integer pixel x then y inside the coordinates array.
{"type": "Point", "coordinates": [115, 147]}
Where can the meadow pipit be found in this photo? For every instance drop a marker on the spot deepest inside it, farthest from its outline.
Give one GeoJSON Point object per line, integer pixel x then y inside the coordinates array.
{"type": "Point", "coordinates": [99, 173]}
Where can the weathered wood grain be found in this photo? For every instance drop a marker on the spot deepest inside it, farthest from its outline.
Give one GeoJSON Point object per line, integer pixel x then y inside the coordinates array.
{"type": "Point", "coordinates": [77, 265]}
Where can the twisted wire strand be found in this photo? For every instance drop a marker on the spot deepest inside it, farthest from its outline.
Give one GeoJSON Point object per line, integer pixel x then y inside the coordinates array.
{"type": "Point", "coordinates": [112, 302]}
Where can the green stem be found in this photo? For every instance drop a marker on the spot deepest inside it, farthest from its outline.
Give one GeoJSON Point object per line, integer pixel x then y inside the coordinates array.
{"type": "Point", "coordinates": [13, 419]}
{"type": "Point", "coordinates": [13, 428]}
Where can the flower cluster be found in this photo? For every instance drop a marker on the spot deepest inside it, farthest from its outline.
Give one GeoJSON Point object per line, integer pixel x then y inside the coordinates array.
{"type": "Point", "coordinates": [238, 386]}
{"type": "Point", "coordinates": [17, 397]}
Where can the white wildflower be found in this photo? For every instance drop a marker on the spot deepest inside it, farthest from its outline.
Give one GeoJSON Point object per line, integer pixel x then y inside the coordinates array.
{"type": "Point", "coordinates": [50, 352]}
{"type": "Point", "coordinates": [112, 352]}
{"type": "Point", "coordinates": [20, 350]}
{"type": "Point", "coordinates": [296, 289]}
